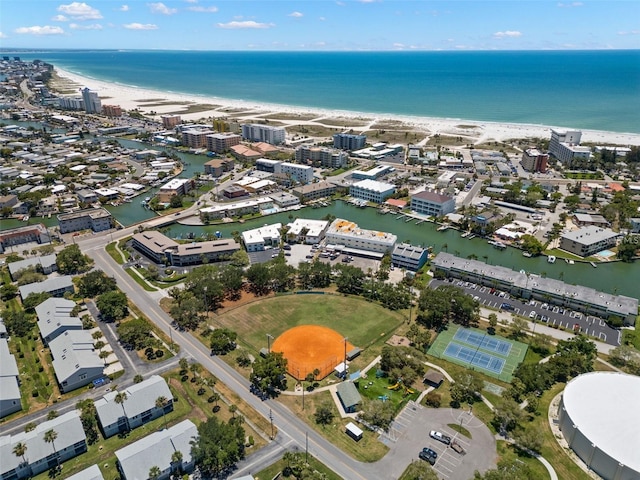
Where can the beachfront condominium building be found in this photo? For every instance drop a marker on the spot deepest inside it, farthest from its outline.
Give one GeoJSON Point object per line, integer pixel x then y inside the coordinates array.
{"type": "Point", "coordinates": [526, 285]}
{"type": "Point", "coordinates": [348, 141]}
{"type": "Point", "coordinates": [71, 103]}
{"type": "Point", "coordinates": [565, 146]}
{"type": "Point", "coordinates": [170, 121]}
{"type": "Point", "coordinates": [346, 233]}
{"type": "Point", "coordinates": [13, 237]}
{"type": "Point", "coordinates": [96, 219]}
{"type": "Point", "coordinates": [321, 156]}
{"type": "Point", "coordinates": [432, 203]}
{"type": "Point", "coordinates": [92, 103]}
{"type": "Point", "coordinates": [589, 240]}
{"type": "Point", "coordinates": [533, 160]}
{"type": "Point", "coordinates": [222, 142]}
{"type": "Point", "coordinates": [263, 133]}
{"type": "Point", "coordinates": [195, 137]}
{"type": "Point", "coordinates": [372, 190]}
{"type": "Point", "coordinates": [41, 455]}
{"type": "Point", "coordinates": [112, 110]}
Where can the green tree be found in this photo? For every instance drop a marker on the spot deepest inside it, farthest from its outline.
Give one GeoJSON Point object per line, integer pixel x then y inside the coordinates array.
{"type": "Point", "coordinates": [121, 399]}
{"type": "Point", "coordinates": [219, 446]}
{"type": "Point", "coordinates": [154, 473]}
{"type": "Point", "coordinates": [259, 278]}
{"type": "Point", "coordinates": [222, 341]}
{"type": "Point", "coordinates": [377, 413]}
{"type": "Point", "coordinates": [134, 334]}
{"type": "Point", "coordinates": [324, 414]}
{"type": "Point", "coordinates": [18, 322]}
{"type": "Point", "coordinates": [19, 450]}
{"type": "Point", "coordinates": [95, 283]}
{"type": "Point", "coordinates": [50, 436]}
{"type": "Point", "coordinates": [161, 402]}
{"type": "Point", "coordinates": [112, 305]}
{"type": "Point", "coordinates": [518, 328]}
{"type": "Point", "coordinates": [88, 418]}
{"type": "Point", "coordinates": [531, 244]}
{"type": "Point", "coordinates": [350, 279]}
{"type": "Point", "coordinates": [627, 249]}
{"type": "Point", "coordinates": [466, 389]}
{"type": "Point", "coordinates": [8, 291]}
{"type": "Point", "coordinates": [507, 415]}
{"type": "Point", "coordinates": [187, 314]}
{"type": "Point", "coordinates": [70, 260]}
{"type": "Point", "coordinates": [269, 372]}
{"type": "Point", "coordinates": [34, 299]}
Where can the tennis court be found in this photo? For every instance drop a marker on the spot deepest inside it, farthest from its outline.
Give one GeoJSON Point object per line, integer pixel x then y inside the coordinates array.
{"type": "Point", "coordinates": [473, 348]}
{"type": "Point", "coordinates": [475, 357]}
{"type": "Point", "coordinates": [483, 341]}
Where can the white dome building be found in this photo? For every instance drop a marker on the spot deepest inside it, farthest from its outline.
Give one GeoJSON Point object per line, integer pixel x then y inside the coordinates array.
{"type": "Point", "coordinates": [600, 419]}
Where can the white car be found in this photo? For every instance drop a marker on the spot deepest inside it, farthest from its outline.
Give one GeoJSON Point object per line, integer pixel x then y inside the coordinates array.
{"type": "Point", "coordinates": [532, 314]}
{"type": "Point", "coordinates": [440, 437]}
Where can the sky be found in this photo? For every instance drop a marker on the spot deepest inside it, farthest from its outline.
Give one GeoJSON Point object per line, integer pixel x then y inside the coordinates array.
{"type": "Point", "coordinates": [320, 25]}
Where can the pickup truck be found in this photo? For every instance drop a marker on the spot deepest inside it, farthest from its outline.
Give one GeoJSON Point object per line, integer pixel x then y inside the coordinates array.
{"type": "Point", "coordinates": [440, 437]}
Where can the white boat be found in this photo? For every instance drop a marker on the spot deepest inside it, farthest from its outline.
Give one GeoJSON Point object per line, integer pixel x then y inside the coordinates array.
{"type": "Point", "coordinates": [551, 259]}
{"type": "Point", "coordinates": [526, 254]}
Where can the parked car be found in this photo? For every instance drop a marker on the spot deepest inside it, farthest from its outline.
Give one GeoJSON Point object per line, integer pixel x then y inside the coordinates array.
{"type": "Point", "coordinates": [427, 458]}
{"type": "Point", "coordinates": [532, 314]}
{"type": "Point", "coordinates": [440, 437]}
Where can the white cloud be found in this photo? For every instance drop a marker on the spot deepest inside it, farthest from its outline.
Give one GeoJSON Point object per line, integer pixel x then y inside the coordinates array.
{"type": "Point", "coordinates": [2, 35]}
{"type": "Point", "coordinates": [322, 19]}
{"type": "Point", "coordinates": [247, 24]}
{"type": "Point", "coordinates": [160, 7]}
{"type": "Point", "coordinates": [37, 30]}
{"type": "Point", "coordinates": [398, 45]}
{"type": "Point", "coordinates": [508, 34]}
{"type": "Point", "coordinates": [75, 26]}
{"type": "Point", "coordinates": [59, 18]}
{"type": "Point", "coordinates": [124, 8]}
{"type": "Point", "coordinates": [199, 8]}
{"type": "Point", "coordinates": [296, 15]}
{"type": "Point", "coordinates": [80, 11]}
{"type": "Point", "coordinates": [140, 26]}
{"type": "Point", "coordinates": [191, 1]}
{"type": "Point", "coordinates": [630, 32]}
{"type": "Point", "coordinates": [570, 5]}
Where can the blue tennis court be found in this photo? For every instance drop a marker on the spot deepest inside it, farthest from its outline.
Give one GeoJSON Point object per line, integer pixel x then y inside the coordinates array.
{"type": "Point", "coordinates": [475, 357]}
{"type": "Point", "coordinates": [479, 340]}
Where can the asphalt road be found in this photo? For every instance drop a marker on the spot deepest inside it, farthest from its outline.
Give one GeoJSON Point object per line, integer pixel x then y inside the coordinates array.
{"type": "Point", "coordinates": [594, 326]}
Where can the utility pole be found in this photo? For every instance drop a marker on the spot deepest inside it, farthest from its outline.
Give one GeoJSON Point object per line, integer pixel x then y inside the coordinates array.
{"type": "Point", "coordinates": [271, 420]}
{"type": "Point", "coordinates": [345, 359]}
{"type": "Point", "coordinates": [269, 338]}
{"type": "Point", "coordinates": [306, 447]}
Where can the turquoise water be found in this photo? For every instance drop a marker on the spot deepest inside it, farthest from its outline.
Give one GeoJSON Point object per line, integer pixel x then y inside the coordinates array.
{"type": "Point", "coordinates": [582, 89]}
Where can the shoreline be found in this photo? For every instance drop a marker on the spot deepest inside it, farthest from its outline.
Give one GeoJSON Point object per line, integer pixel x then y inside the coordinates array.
{"type": "Point", "coordinates": [163, 102]}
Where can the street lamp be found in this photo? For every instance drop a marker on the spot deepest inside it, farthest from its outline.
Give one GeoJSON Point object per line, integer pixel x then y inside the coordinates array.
{"type": "Point", "coordinates": [345, 359]}
{"type": "Point", "coordinates": [206, 305]}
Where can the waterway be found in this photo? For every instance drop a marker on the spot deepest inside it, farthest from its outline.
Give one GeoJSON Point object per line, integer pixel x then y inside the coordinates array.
{"type": "Point", "coordinates": [615, 277]}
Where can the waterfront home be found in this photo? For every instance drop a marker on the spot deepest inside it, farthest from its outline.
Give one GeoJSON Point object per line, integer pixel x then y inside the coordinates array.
{"type": "Point", "coordinates": [432, 203]}
{"type": "Point", "coordinates": [589, 240]}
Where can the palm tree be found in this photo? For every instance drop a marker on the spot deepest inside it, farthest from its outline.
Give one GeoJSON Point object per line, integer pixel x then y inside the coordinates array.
{"type": "Point", "coordinates": [176, 459]}
{"type": "Point", "coordinates": [19, 450]}
{"type": "Point", "coordinates": [103, 355]}
{"type": "Point", "coordinates": [195, 368]}
{"type": "Point", "coordinates": [154, 473]}
{"type": "Point", "coordinates": [233, 409]}
{"type": "Point", "coordinates": [120, 398]}
{"type": "Point", "coordinates": [161, 401]}
{"type": "Point", "coordinates": [50, 437]}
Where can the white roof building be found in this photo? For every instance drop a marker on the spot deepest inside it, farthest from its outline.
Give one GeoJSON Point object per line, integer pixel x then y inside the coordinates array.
{"type": "Point", "coordinates": [54, 318]}
{"type": "Point", "coordinates": [600, 423]}
{"type": "Point", "coordinates": [91, 473]}
{"type": "Point", "coordinates": [255, 240]}
{"type": "Point", "coordinates": [344, 232]}
{"type": "Point", "coordinates": [308, 231]}
{"type": "Point", "coordinates": [75, 360]}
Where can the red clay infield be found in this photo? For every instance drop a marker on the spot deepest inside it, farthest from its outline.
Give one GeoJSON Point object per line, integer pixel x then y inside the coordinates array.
{"type": "Point", "coordinates": [308, 347]}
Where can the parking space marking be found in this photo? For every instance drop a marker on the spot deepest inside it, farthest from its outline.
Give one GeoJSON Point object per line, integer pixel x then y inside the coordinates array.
{"type": "Point", "coordinates": [602, 336]}
{"type": "Point", "coordinates": [602, 323]}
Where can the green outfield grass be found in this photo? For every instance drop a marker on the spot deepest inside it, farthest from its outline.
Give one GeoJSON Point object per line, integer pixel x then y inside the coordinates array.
{"type": "Point", "coordinates": [516, 355]}
{"type": "Point", "coordinates": [364, 323]}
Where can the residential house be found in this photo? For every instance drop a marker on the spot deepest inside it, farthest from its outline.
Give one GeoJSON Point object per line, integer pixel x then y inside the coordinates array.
{"type": "Point", "coordinates": [56, 287]}
{"type": "Point", "coordinates": [10, 401]}
{"type": "Point", "coordinates": [41, 455]}
{"type": "Point", "coordinates": [75, 361]}
{"type": "Point", "coordinates": [54, 318]}
{"type": "Point", "coordinates": [156, 450]}
{"type": "Point", "coordinates": [138, 408]}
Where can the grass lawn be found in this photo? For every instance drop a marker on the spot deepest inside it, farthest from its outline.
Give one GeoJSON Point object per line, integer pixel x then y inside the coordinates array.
{"type": "Point", "coordinates": [551, 450]}
{"type": "Point", "coordinates": [139, 280]}
{"type": "Point", "coordinates": [632, 337]}
{"type": "Point", "coordinates": [368, 449]}
{"type": "Point", "coordinates": [275, 315]}
{"type": "Point", "coordinates": [460, 429]}
{"type": "Point", "coordinates": [36, 384]}
{"type": "Point", "coordinates": [373, 388]}
{"type": "Point", "coordinates": [114, 253]}
{"type": "Point", "coordinates": [276, 469]}
{"type": "Point", "coordinates": [508, 451]}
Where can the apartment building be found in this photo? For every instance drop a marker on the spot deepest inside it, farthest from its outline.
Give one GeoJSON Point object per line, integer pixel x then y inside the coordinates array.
{"type": "Point", "coordinates": [175, 186]}
{"type": "Point", "coordinates": [112, 110]}
{"type": "Point", "coordinates": [589, 240]}
{"type": "Point", "coordinates": [96, 219]}
{"type": "Point", "coordinates": [313, 191]}
{"type": "Point", "coordinates": [321, 156]}
{"type": "Point", "coordinates": [92, 103]}
{"type": "Point", "coordinates": [13, 237]}
{"type": "Point", "coordinates": [565, 146]}
{"type": "Point", "coordinates": [218, 166]}
{"type": "Point", "coordinates": [75, 360]}
{"type": "Point", "coordinates": [347, 141]}
{"type": "Point", "coordinates": [533, 160]}
{"type": "Point", "coordinates": [170, 121]}
{"type": "Point", "coordinates": [432, 203]}
{"type": "Point", "coordinates": [263, 133]}
{"type": "Point", "coordinates": [255, 240]}
{"type": "Point", "coordinates": [222, 142]}
{"type": "Point", "coordinates": [10, 400]}
{"type": "Point", "coordinates": [409, 256]}
{"type": "Point", "coordinates": [344, 232]}
{"type": "Point", "coordinates": [372, 190]}
{"type": "Point", "coordinates": [196, 138]}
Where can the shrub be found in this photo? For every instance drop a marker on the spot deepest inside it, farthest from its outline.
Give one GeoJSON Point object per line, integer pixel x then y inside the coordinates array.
{"type": "Point", "coordinates": [159, 353]}
{"type": "Point", "coordinates": [433, 399]}
{"type": "Point", "coordinates": [35, 393]}
{"type": "Point", "coordinates": [201, 391]}
{"type": "Point", "coordinates": [40, 368]}
{"type": "Point", "coordinates": [184, 378]}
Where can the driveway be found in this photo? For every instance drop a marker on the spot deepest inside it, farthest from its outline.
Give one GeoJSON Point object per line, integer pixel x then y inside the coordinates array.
{"type": "Point", "coordinates": [409, 433]}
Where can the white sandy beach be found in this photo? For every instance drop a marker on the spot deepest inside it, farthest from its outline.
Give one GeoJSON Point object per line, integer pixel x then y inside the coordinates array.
{"type": "Point", "coordinates": [147, 100]}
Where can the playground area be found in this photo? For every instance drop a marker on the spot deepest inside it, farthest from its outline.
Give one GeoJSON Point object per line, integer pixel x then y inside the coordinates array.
{"type": "Point", "coordinates": [375, 386]}
{"type": "Point", "coordinates": [311, 347]}
{"type": "Point", "coordinates": [475, 349]}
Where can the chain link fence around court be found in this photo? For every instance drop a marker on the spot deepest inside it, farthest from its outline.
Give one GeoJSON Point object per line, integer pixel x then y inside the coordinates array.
{"type": "Point", "coordinates": [299, 369]}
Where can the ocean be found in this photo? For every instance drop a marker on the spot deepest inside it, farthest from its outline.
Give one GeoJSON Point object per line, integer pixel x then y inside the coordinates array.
{"type": "Point", "coordinates": [597, 90]}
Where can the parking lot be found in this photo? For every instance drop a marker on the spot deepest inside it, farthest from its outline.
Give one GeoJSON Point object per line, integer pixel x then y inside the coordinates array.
{"type": "Point", "coordinates": [409, 434]}
{"type": "Point", "coordinates": [539, 311]}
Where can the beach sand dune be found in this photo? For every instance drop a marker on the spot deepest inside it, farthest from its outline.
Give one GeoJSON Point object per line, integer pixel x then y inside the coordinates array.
{"type": "Point", "coordinates": [194, 107]}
